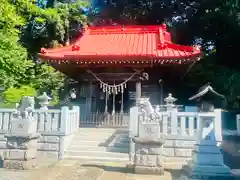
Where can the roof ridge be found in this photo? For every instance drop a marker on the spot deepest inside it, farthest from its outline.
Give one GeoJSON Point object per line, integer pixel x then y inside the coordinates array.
{"type": "Point", "coordinates": [123, 29]}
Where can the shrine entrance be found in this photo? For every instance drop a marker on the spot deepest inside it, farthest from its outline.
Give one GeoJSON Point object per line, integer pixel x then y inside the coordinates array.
{"type": "Point", "coordinates": [110, 103]}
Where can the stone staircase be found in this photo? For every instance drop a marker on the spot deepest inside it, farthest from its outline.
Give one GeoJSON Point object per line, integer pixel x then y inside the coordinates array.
{"type": "Point", "coordinates": [99, 145]}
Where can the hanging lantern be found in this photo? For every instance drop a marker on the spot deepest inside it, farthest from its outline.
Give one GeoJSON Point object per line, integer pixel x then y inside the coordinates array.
{"type": "Point", "coordinates": [73, 94]}
{"type": "Point", "coordinates": [101, 95]}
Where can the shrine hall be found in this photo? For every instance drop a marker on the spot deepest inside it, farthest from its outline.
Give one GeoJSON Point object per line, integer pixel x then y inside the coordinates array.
{"type": "Point", "coordinates": [115, 65]}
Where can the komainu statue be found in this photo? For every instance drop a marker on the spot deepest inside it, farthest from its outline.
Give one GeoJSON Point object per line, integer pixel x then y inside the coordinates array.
{"type": "Point", "coordinates": [147, 108]}
{"type": "Point", "coordinates": [22, 138]}
{"type": "Point", "coordinates": [25, 108]}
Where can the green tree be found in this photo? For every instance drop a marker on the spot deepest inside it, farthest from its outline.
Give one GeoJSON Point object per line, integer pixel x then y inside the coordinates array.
{"type": "Point", "coordinates": [15, 68]}
{"type": "Point", "coordinates": [216, 26]}
{"type": "Point", "coordinates": [24, 29]}
{"type": "Point", "coordinates": [13, 95]}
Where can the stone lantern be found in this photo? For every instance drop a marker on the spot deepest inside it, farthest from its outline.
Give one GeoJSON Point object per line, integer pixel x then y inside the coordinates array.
{"type": "Point", "coordinates": [205, 98]}
{"type": "Point", "coordinates": [170, 100]}
{"type": "Point", "coordinates": [207, 160]}
{"type": "Point", "coordinates": [44, 100]}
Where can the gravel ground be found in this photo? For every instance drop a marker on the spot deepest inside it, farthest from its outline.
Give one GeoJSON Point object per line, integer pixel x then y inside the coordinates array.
{"type": "Point", "coordinates": [75, 170]}
{"type": "Point", "coordinates": [13, 175]}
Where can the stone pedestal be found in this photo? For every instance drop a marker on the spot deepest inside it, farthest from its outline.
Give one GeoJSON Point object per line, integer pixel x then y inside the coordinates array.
{"type": "Point", "coordinates": [22, 145]}
{"type": "Point", "coordinates": [146, 145]}
{"type": "Point", "coordinates": [21, 151]}
{"type": "Point", "coordinates": [148, 156]}
{"type": "Point", "coordinates": [207, 160]}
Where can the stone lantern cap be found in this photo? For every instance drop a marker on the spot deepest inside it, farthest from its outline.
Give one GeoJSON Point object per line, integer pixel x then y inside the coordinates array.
{"type": "Point", "coordinates": [44, 100]}
{"type": "Point", "coordinates": [170, 99]}
{"type": "Point", "coordinates": [204, 91]}
{"type": "Point", "coordinates": [44, 97]}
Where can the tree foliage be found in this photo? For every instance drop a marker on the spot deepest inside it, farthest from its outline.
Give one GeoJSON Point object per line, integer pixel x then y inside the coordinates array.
{"type": "Point", "coordinates": [25, 27]}
{"type": "Point", "coordinates": [213, 24]}
{"type": "Point", "coordinates": [15, 68]}
{"type": "Point", "coordinates": [13, 95]}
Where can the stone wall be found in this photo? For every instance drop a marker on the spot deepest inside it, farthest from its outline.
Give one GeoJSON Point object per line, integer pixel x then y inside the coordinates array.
{"type": "Point", "coordinates": [177, 150]}
{"type": "Point", "coordinates": [49, 144]}
{"type": "Point", "coordinates": [178, 146]}
{"type": "Point", "coordinates": [2, 142]}
{"type": "Point", "coordinates": [231, 151]}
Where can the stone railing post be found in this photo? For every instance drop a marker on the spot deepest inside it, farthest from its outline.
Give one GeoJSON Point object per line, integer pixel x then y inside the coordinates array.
{"type": "Point", "coordinates": [61, 148]}
{"type": "Point", "coordinates": [64, 125]}
{"type": "Point", "coordinates": [64, 129]}
{"type": "Point", "coordinates": [174, 121]}
{"type": "Point", "coordinates": [133, 130]}
{"type": "Point", "coordinates": [218, 125]}
{"type": "Point", "coordinates": [76, 117]}
{"type": "Point", "coordinates": [238, 123]}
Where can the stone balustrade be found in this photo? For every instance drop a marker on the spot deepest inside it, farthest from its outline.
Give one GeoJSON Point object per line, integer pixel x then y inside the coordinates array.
{"type": "Point", "coordinates": [56, 126]}
{"type": "Point", "coordinates": [180, 129]}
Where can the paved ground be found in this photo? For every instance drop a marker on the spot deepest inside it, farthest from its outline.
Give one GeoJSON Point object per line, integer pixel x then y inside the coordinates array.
{"type": "Point", "coordinates": [75, 170]}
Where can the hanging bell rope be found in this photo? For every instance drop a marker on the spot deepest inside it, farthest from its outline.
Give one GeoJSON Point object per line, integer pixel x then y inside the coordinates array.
{"type": "Point", "coordinates": [115, 88]}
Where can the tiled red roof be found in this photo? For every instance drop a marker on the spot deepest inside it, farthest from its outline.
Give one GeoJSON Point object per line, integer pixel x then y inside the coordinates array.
{"type": "Point", "coordinates": [145, 44]}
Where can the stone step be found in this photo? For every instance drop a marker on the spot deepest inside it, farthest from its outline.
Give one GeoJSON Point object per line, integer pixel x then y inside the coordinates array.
{"type": "Point", "coordinates": [99, 143]}
{"type": "Point", "coordinates": [113, 130]}
{"type": "Point", "coordinates": [97, 160]}
{"type": "Point", "coordinates": [100, 137]}
{"type": "Point", "coordinates": [87, 142]}
{"type": "Point", "coordinates": [92, 153]}
{"type": "Point", "coordinates": [87, 134]}
{"type": "Point", "coordinates": [94, 139]}
{"type": "Point", "coordinates": [120, 140]}
{"type": "Point", "coordinates": [90, 130]}
{"type": "Point", "coordinates": [99, 148]}
{"type": "Point", "coordinates": [119, 144]}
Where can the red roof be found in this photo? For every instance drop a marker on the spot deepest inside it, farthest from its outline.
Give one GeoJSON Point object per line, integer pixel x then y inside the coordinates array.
{"type": "Point", "coordinates": [129, 44]}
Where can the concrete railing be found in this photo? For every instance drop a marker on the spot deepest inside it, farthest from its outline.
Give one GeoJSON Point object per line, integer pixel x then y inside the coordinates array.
{"type": "Point", "coordinates": [180, 129]}
{"type": "Point", "coordinates": [180, 123]}
{"type": "Point", "coordinates": [233, 131]}
{"type": "Point", "coordinates": [62, 120]}
{"type": "Point", "coordinates": [56, 126]}
{"type": "Point", "coordinates": [238, 123]}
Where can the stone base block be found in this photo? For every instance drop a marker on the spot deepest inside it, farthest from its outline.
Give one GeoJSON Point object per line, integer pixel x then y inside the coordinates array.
{"type": "Point", "coordinates": [206, 177]}
{"type": "Point", "coordinates": [200, 172]}
{"type": "Point", "coordinates": [17, 154]}
{"type": "Point", "coordinates": [146, 169]}
{"type": "Point", "coordinates": [208, 169]}
{"type": "Point", "coordinates": [20, 165]}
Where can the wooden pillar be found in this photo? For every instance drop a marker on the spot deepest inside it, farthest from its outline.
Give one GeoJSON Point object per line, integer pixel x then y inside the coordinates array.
{"type": "Point", "coordinates": [138, 90]}
{"type": "Point", "coordinates": [121, 111]}
{"type": "Point", "coordinates": [114, 98]}
{"type": "Point", "coordinates": [89, 98]}
{"type": "Point", "coordinates": [106, 102]}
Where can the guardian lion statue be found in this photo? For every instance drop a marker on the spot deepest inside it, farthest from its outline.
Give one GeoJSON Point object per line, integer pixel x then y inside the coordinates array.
{"type": "Point", "coordinates": [146, 106]}
{"type": "Point", "coordinates": [25, 108]}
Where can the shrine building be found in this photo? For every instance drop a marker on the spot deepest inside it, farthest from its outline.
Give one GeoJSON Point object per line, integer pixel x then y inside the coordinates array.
{"type": "Point", "coordinates": [115, 65]}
